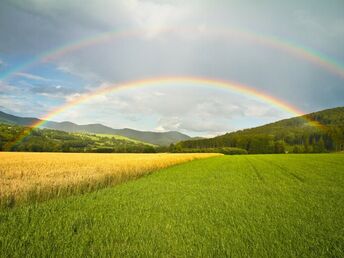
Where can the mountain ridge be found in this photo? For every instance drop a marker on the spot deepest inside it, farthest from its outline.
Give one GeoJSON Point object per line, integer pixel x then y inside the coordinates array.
{"type": "Point", "coordinates": [156, 138]}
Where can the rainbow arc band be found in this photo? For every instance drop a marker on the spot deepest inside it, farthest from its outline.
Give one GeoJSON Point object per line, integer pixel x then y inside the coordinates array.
{"type": "Point", "coordinates": [168, 81]}
{"type": "Point", "coordinates": [302, 52]}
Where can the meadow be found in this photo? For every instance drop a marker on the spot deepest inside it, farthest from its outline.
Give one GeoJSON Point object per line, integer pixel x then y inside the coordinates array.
{"type": "Point", "coordinates": [226, 206]}
{"type": "Point", "coordinates": [31, 177]}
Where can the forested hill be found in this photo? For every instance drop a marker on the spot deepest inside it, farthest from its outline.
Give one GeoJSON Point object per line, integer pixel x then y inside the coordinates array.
{"type": "Point", "coordinates": [156, 138]}
{"type": "Point", "coordinates": [49, 140]}
{"type": "Point", "coordinates": [291, 135]}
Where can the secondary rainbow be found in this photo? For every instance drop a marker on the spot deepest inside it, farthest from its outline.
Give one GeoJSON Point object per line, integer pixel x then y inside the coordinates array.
{"type": "Point", "coordinates": [168, 81]}
{"type": "Point", "coordinates": [305, 53]}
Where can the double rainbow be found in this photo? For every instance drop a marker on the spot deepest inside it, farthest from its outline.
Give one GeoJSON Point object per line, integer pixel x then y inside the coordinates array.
{"type": "Point", "coordinates": [299, 51]}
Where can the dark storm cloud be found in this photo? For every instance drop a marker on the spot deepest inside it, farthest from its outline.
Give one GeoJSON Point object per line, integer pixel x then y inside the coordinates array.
{"type": "Point", "coordinates": [34, 26]}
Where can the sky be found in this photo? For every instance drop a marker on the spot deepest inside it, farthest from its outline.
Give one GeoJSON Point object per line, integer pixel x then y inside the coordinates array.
{"type": "Point", "coordinates": [54, 52]}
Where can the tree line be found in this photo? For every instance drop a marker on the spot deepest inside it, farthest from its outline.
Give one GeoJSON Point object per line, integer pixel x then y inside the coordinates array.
{"type": "Point", "coordinates": [295, 135]}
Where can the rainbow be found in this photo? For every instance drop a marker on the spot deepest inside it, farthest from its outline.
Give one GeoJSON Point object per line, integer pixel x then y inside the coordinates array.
{"type": "Point", "coordinates": [168, 81]}
{"type": "Point", "coordinates": [313, 56]}
{"type": "Point", "coordinates": [286, 46]}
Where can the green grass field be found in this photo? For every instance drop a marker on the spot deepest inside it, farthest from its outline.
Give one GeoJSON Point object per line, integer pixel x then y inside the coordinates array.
{"type": "Point", "coordinates": [238, 206]}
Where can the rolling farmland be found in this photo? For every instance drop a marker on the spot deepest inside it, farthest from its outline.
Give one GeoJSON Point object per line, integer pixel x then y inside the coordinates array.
{"type": "Point", "coordinates": [30, 177]}
{"type": "Point", "coordinates": [239, 206]}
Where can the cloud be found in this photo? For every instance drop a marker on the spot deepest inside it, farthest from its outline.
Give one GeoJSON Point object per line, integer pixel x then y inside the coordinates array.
{"type": "Point", "coordinates": [56, 91]}
{"type": "Point", "coordinates": [32, 76]}
{"type": "Point", "coordinates": [149, 48]}
{"type": "Point", "coordinates": [18, 105]}
{"type": "Point", "coordinates": [8, 88]}
{"type": "Point", "coordinates": [2, 64]}
{"type": "Point", "coordinates": [208, 112]}
{"type": "Point", "coordinates": [192, 124]}
{"type": "Point", "coordinates": [155, 15]}
{"type": "Point", "coordinates": [11, 104]}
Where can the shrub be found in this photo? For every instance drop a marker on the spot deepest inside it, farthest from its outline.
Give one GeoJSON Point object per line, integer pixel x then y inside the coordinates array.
{"type": "Point", "coordinates": [232, 151]}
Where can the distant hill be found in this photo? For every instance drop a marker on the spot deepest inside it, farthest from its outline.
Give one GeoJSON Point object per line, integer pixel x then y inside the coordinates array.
{"type": "Point", "coordinates": [156, 138]}
{"type": "Point", "coordinates": [11, 119]}
{"type": "Point", "coordinates": [49, 140]}
{"type": "Point", "coordinates": [292, 135]}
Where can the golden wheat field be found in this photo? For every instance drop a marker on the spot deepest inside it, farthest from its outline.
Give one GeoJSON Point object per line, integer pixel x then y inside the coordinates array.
{"type": "Point", "coordinates": [40, 176]}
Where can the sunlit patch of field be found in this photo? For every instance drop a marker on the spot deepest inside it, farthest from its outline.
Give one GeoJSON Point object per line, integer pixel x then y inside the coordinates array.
{"type": "Point", "coordinates": [27, 177]}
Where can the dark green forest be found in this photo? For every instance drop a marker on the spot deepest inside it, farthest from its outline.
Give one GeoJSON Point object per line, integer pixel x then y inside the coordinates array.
{"type": "Point", "coordinates": [294, 135]}
{"type": "Point", "coordinates": [47, 140]}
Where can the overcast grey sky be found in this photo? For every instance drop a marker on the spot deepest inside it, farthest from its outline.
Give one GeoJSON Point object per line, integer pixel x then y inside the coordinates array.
{"type": "Point", "coordinates": [175, 38]}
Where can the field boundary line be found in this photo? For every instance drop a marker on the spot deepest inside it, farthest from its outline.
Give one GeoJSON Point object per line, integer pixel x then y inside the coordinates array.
{"type": "Point", "coordinates": [259, 176]}
{"type": "Point", "coordinates": [293, 175]}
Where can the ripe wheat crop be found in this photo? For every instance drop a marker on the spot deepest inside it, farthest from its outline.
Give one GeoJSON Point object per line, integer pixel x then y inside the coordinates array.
{"type": "Point", "coordinates": [28, 177]}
